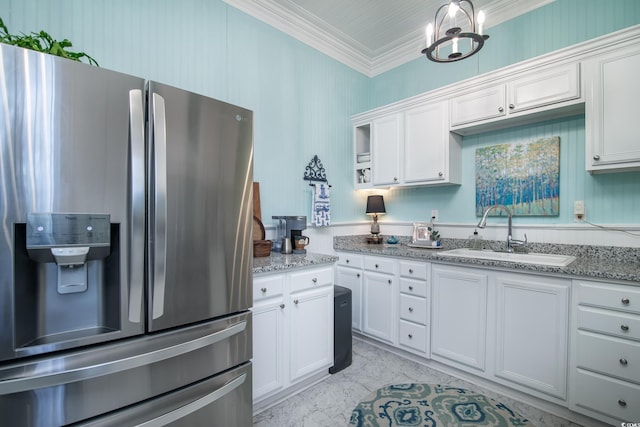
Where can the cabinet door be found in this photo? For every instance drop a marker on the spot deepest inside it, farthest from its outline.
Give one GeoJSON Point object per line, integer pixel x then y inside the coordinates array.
{"type": "Point", "coordinates": [478, 105]}
{"type": "Point", "coordinates": [459, 317]}
{"type": "Point", "coordinates": [557, 84]}
{"type": "Point", "coordinates": [311, 332]}
{"type": "Point", "coordinates": [379, 307]}
{"type": "Point", "coordinates": [532, 328]}
{"type": "Point", "coordinates": [426, 143]}
{"type": "Point", "coordinates": [268, 344]}
{"type": "Point", "coordinates": [351, 278]}
{"type": "Point", "coordinates": [385, 150]}
{"type": "Point", "coordinates": [612, 111]}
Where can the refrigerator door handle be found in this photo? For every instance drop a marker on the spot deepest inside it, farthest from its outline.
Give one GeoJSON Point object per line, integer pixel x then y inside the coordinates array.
{"type": "Point", "coordinates": [17, 381]}
{"type": "Point", "coordinates": [136, 221]}
{"type": "Point", "coordinates": [194, 406]}
{"type": "Point", "coordinates": [160, 207]}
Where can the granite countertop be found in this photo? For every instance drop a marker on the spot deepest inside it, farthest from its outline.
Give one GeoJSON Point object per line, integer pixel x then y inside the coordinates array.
{"type": "Point", "coordinates": [602, 262]}
{"type": "Point", "coordinates": [281, 262]}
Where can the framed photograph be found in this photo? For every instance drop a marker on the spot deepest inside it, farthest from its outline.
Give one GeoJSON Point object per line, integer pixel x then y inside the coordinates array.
{"type": "Point", "coordinates": [421, 233]}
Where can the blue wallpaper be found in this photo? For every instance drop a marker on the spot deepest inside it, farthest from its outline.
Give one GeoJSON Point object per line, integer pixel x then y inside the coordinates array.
{"type": "Point", "coordinates": [303, 100]}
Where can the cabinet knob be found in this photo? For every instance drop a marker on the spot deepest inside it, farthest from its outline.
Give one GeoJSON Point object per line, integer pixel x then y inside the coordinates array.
{"type": "Point", "coordinates": [410, 309]}
{"type": "Point", "coordinates": [411, 271]}
{"type": "Point", "coordinates": [410, 336]}
{"type": "Point", "coordinates": [622, 402]}
{"type": "Point", "coordinates": [624, 327]}
{"type": "Point", "coordinates": [295, 301]}
{"type": "Point", "coordinates": [623, 361]}
{"type": "Point", "coordinates": [281, 305]}
{"type": "Point", "coordinates": [395, 179]}
{"type": "Point", "coordinates": [263, 290]}
{"type": "Point", "coordinates": [625, 301]}
{"type": "Point", "coordinates": [376, 265]}
{"type": "Point", "coordinates": [440, 174]}
{"type": "Point", "coordinates": [314, 280]}
{"type": "Point", "coordinates": [347, 261]}
{"type": "Point", "coordinates": [357, 274]}
{"type": "Point", "coordinates": [596, 157]}
{"type": "Point", "coordinates": [389, 281]}
{"type": "Point", "coordinates": [511, 106]}
{"type": "Point", "coordinates": [500, 109]}
{"type": "Point", "coordinates": [410, 288]}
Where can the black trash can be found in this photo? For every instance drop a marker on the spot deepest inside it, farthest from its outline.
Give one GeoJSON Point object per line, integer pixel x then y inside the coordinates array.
{"type": "Point", "coordinates": [341, 329]}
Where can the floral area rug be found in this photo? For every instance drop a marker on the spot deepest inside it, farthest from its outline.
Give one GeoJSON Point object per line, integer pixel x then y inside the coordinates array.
{"type": "Point", "coordinates": [430, 405]}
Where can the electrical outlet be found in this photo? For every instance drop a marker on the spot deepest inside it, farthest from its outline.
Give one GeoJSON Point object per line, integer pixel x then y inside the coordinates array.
{"type": "Point", "coordinates": [434, 215]}
{"type": "Point", "coordinates": [579, 210]}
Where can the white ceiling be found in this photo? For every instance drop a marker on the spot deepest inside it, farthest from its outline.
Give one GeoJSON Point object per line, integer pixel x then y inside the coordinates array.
{"type": "Point", "coordinates": [370, 36]}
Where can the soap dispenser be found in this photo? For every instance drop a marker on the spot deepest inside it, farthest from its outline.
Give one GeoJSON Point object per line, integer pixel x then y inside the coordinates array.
{"type": "Point", "coordinates": [475, 241]}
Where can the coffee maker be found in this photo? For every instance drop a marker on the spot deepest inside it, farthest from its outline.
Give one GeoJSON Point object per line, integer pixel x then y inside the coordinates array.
{"type": "Point", "coordinates": [289, 227]}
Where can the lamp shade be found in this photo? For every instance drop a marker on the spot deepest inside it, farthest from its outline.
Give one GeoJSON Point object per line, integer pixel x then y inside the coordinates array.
{"type": "Point", "coordinates": [375, 205]}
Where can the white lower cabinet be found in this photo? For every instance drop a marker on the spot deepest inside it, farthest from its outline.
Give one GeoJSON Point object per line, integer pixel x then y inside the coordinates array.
{"type": "Point", "coordinates": [379, 298]}
{"type": "Point", "coordinates": [604, 376]}
{"type": "Point", "coordinates": [459, 322]}
{"type": "Point", "coordinates": [349, 275]}
{"type": "Point", "coordinates": [532, 332]}
{"type": "Point", "coordinates": [292, 329]}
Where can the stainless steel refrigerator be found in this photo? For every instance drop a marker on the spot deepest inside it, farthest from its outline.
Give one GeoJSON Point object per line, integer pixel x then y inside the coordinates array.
{"type": "Point", "coordinates": [125, 249]}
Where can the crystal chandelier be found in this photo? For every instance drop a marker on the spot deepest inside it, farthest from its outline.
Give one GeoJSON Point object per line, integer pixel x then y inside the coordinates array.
{"type": "Point", "coordinates": [452, 36]}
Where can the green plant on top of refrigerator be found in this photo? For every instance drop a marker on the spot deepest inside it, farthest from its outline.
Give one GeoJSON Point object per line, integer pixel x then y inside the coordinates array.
{"type": "Point", "coordinates": [43, 42]}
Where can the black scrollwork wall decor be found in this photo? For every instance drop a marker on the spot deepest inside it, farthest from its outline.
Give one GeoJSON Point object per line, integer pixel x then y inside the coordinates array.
{"type": "Point", "coordinates": [315, 171]}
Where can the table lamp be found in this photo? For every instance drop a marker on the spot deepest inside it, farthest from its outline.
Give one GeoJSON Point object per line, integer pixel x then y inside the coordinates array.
{"type": "Point", "coordinates": [375, 206]}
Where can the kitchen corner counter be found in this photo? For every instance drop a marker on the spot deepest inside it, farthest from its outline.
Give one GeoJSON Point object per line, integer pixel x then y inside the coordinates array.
{"type": "Point", "coordinates": [602, 262]}
{"type": "Point", "coordinates": [282, 262]}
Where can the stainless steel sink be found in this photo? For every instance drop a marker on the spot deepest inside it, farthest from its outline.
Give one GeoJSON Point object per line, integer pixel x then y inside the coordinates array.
{"type": "Point", "coordinates": [525, 258]}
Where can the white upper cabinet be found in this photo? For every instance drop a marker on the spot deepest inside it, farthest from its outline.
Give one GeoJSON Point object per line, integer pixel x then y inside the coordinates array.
{"type": "Point", "coordinates": [530, 96]}
{"type": "Point", "coordinates": [385, 150]}
{"type": "Point", "coordinates": [612, 114]}
{"type": "Point", "coordinates": [431, 152]}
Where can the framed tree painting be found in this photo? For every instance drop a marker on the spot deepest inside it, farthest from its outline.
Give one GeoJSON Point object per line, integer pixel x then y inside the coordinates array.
{"type": "Point", "coordinates": [524, 177]}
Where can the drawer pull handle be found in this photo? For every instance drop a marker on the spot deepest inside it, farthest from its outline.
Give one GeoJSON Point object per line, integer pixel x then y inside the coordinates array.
{"type": "Point", "coordinates": [410, 336]}
{"type": "Point", "coordinates": [623, 361]}
{"type": "Point", "coordinates": [281, 305]}
{"type": "Point", "coordinates": [410, 288]}
{"type": "Point", "coordinates": [622, 403]}
{"type": "Point", "coordinates": [411, 271]}
{"type": "Point", "coordinates": [626, 301]}
{"type": "Point", "coordinates": [624, 327]}
{"type": "Point", "coordinates": [410, 309]}
{"type": "Point", "coordinates": [357, 274]}
{"type": "Point", "coordinates": [295, 301]}
{"type": "Point", "coordinates": [314, 280]}
{"type": "Point", "coordinates": [263, 290]}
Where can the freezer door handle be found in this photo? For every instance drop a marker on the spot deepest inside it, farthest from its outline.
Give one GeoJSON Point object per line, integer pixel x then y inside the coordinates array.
{"type": "Point", "coordinates": [136, 221]}
{"type": "Point", "coordinates": [160, 207]}
{"type": "Point", "coordinates": [194, 406]}
{"type": "Point", "coordinates": [20, 379]}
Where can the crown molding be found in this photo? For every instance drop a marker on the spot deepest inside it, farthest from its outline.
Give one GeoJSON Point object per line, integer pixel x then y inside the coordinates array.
{"type": "Point", "coordinates": [297, 23]}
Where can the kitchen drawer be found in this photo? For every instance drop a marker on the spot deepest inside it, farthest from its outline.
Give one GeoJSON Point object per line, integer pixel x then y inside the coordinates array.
{"type": "Point", "coordinates": [618, 399]}
{"type": "Point", "coordinates": [608, 355]}
{"type": "Point", "coordinates": [350, 260]}
{"type": "Point", "coordinates": [413, 309]}
{"type": "Point", "coordinates": [414, 270]}
{"type": "Point", "coordinates": [618, 297]}
{"type": "Point", "coordinates": [267, 286]}
{"type": "Point", "coordinates": [609, 322]}
{"type": "Point", "coordinates": [413, 336]}
{"type": "Point", "coordinates": [413, 287]}
{"type": "Point", "coordinates": [381, 265]}
{"type": "Point", "coordinates": [308, 279]}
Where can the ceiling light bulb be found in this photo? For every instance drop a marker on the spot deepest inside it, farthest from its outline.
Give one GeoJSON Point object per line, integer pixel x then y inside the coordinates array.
{"type": "Point", "coordinates": [480, 22]}
{"type": "Point", "coordinates": [429, 34]}
{"type": "Point", "coordinates": [453, 8]}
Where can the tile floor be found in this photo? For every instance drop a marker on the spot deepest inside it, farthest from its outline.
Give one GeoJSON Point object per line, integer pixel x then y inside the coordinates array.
{"type": "Point", "coordinates": [329, 403]}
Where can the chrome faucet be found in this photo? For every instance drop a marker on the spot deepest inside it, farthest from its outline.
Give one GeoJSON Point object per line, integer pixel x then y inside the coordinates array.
{"type": "Point", "coordinates": [511, 242]}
